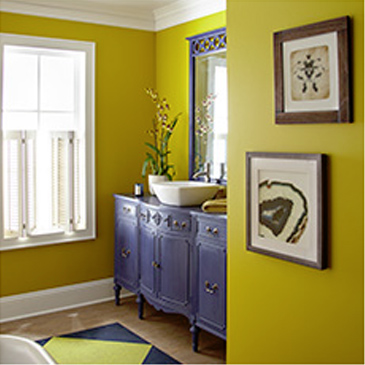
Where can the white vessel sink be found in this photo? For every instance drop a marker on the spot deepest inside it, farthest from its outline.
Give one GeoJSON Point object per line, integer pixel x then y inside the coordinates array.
{"type": "Point", "coordinates": [184, 193]}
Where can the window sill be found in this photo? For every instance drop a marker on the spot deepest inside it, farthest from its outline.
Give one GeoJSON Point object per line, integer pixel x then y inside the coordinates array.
{"type": "Point", "coordinates": [15, 244]}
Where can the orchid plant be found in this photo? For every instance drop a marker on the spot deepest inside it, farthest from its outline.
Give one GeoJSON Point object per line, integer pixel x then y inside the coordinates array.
{"type": "Point", "coordinates": [161, 132]}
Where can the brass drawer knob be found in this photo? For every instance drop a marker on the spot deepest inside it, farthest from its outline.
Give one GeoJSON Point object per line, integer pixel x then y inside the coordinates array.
{"type": "Point", "coordinates": [215, 231]}
{"type": "Point", "coordinates": [208, 229]}
{"type": "Point", "coordinates": [125, 252]}
{"type": "Point", "coordinates": [210, 289]}
{"type": "Point", "coordinates": [175, 223]}
{"type": "Point", "coordinates": [155, 265]}
{"type": "Point", "coordinates": [183, 224]}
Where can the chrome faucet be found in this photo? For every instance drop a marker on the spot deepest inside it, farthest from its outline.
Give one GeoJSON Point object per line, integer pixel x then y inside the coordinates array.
{"type": "Point", "coordinates": [205, 173]}
{"type": "Point", "coordinates": [223, 171]}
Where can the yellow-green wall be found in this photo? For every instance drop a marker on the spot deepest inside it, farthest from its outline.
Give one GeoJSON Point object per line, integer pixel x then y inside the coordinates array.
{"type": "Point", "coordinates": [125, 65]}
{"type": "Point", "coordinates": [280, 312]}
{"type": "Point", "coordinates": [172, 79]}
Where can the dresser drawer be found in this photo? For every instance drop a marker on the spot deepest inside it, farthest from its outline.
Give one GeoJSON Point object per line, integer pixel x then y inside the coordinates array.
{"type": "Point", "coordinates": [180, 222]}
{"type": "Point", "coordinates": [126, 209]}
{"type": "Point", "coordinates": [213, 229]}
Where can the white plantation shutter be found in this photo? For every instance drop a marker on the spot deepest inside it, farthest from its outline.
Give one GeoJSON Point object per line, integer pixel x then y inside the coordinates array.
{"type": "Point", "coordinates": [11, 184]}
{"type": "Point", "coordinates": [64, 181]}
{"type": "Point", "coordinates": [59, 183]}
{"type": "Point", "coordinates": [55, 174]}
{"type": "Point", "coordinates": [71, 181]}
{"type": "Point", "coordinates": [79, 182]}
{"type": "Point", "coordinates": [30, 182]}
{"type": "Point", "coordinates": [18, 178]}
{"type": "Point", "coordinates": [47, 133]}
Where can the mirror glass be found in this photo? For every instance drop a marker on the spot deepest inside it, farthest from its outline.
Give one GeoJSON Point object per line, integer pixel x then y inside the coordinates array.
{"type": "Point", "coordinates": [211, 115]}
{"type": "Point", "coordinates": [209, 106]}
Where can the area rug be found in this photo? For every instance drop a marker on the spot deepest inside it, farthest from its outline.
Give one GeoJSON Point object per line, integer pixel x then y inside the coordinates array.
{"type": "Point", "coordinates": [110, 344]}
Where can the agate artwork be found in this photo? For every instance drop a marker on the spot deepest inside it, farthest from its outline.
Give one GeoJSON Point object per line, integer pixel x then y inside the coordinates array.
{"type": "Point", "coordinates": [283, 211]}
{"type": "Point", "coordinates": [284, 206]}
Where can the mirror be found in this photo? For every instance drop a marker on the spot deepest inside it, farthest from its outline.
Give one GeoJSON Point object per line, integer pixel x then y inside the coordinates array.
{"type": "Point", "coordinates": [208, 106]}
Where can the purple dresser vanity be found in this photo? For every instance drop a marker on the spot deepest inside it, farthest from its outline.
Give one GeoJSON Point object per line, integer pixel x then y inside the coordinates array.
{"type": "Point", "coordinates": [174, 258]}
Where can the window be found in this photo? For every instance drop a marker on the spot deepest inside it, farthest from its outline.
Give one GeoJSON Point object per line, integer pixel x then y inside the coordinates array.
{"type": "Point", "coordinates": [47, 141]}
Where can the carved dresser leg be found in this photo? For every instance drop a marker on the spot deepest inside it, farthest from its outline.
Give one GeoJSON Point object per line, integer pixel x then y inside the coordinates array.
{"type": "Point", "coordinates": [140, 301]}
{"type": "Point", "coordinates": [195, 336]}
{"type": "Point", "coordinates": [117, 289]}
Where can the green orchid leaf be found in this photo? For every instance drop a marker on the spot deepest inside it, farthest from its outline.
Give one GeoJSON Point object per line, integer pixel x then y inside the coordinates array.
{"type": "Point", "coordinates": [149, 162]}
{"type": "Point", "coordinates": [152, 147]}
{"type": "Point", "coordinates": [144, 166]}
{"type": "Point", "coordinates": [154, 163]}
{"type": "Point", "coordinates": [173, 124]}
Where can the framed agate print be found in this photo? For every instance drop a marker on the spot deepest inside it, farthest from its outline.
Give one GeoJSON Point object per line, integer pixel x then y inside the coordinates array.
{"type": "Point", "coordinates": [312, 76]}
{"type": "Point", "coordinates": [285, 206]}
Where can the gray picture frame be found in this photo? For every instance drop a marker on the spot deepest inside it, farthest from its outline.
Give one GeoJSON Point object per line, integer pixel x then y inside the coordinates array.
{"type": "Point", "coordinates": [285, 206]}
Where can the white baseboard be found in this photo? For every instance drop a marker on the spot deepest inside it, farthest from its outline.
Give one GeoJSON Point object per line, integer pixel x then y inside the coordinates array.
{"type": "Point", "coordinates": [53, 300]}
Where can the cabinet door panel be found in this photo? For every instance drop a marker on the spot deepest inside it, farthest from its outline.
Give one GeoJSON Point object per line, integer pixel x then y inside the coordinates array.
{"type": "Point", "coordinates": [174, 254]}
{"type": "Point", "coordinates": [126, 253]}
{"type": "Point", "coordinates": [147, 255]}
{"type": "Point", "coordinates": [212, 287]}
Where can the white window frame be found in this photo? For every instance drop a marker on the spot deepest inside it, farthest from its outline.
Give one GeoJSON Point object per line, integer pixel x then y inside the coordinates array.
{"type": "Point", "coordinates": [90, 232]}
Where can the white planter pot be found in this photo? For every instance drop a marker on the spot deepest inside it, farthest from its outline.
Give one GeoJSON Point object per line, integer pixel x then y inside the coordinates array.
{"type": "Point", "coordinates": [154, 179]}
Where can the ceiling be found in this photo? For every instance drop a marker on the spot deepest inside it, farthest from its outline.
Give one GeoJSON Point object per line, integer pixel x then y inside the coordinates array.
{"type": "Point", "coordinates": [151, 15]}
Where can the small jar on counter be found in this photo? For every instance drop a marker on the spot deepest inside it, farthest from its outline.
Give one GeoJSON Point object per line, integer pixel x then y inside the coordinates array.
{"type": "Point", "coordinates": [138, 189]}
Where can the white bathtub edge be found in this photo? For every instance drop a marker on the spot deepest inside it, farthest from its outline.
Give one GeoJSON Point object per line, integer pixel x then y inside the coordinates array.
{"type": "Point", "coordinates": [21, 350]}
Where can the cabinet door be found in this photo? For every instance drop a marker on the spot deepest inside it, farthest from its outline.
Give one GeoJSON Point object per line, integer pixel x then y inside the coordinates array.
{"type": "Point", "coordinates": [212, 286]}
{"type": "Point", "coordinates": [174, 260]}
{"type": "Point", "coordinates": [148, 262]}
{"type": "Point", "coordinates": [126, 253]}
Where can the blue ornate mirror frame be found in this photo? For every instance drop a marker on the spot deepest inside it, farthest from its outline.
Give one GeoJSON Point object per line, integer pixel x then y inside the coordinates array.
{"type": "Point", "coordinates": [208, 106]}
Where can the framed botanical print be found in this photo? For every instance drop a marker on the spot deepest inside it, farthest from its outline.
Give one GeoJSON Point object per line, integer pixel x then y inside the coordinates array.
{"type": "Point", "coordinates": [285, 206]}
{"type": "Point", "coordinates": [312, 76]}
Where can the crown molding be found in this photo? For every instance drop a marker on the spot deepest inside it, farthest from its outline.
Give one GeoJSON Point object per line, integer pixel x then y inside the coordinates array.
{"type": "Point", "coordinates": [183, 11]}
{"type": "Point", "coordinates": [178, 12]}
{"type": "Point", "coordinates": [58, 10]}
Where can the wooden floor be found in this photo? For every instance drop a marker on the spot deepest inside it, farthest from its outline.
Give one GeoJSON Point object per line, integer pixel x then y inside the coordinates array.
{"type": "Point", "coordinates": [169, 332]}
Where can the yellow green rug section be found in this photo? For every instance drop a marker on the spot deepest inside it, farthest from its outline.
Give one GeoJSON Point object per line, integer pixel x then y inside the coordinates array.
{"type": "Point", "coordinates": [81, 351]}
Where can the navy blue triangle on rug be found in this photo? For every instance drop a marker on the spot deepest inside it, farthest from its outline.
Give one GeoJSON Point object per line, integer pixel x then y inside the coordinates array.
{"type": "Point", "coordinates": [116, 333]}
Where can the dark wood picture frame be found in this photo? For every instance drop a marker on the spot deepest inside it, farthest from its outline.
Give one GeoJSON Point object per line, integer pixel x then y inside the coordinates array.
{"type": "Point", "coordinates": [342, 112]}
{"type": "Point", "coordinates": [272, 178]}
